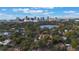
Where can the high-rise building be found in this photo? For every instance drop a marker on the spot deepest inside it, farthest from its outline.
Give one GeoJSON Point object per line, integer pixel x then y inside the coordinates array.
{"type": "Point", "coordinates": [26, 17]}
{"type": "Point", "coordinates": [48, 17]}
{"type": "Point", "coordinates": [35, 18]}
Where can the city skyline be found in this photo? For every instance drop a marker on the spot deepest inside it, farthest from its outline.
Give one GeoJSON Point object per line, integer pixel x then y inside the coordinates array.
{"type": "Point", "coordinates": [13, 12]}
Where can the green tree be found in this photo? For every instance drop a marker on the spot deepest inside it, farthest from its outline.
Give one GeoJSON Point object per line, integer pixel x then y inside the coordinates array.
{"type": "Point", "coordinates": [2, 38]}
{"type": "Point", "coordinates": [74, 43]}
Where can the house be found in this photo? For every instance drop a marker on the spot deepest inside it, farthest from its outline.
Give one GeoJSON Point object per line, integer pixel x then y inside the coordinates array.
{"type": "Point", "coordinates": [64, 38]}
{"type": "Point", "coordinates": [65, 30]}
{"type": "Point", "coordinates": [69, 47]}
{"type": "Point", "coordinates": [5, 33]}
{"type": "Point", "coordinates": [20, 30]}
{"type": "Point", "coordinates": [5, 42]}
{"type": "Point", "coordinates": [61, 46]}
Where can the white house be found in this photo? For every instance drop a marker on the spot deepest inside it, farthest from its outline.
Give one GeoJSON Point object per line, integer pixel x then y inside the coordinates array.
{"type": "Point", "coordinates": [5, 42]}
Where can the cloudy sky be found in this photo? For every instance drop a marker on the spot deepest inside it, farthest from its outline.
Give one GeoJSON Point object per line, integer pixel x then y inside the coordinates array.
{"type": "Point", "coordinates": [13, 12]}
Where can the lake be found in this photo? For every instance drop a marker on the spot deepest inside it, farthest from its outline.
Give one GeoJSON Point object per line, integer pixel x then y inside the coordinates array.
{"type": "Point", "coordinates": [48, 26]}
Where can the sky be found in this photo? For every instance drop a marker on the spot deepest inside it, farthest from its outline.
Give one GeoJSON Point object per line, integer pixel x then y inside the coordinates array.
{"type": "Point", "coordinates": [8, 13]}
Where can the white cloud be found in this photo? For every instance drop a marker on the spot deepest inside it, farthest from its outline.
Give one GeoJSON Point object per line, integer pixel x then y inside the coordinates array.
{"type": "Point", "coordinates": [70, 12]}
{"type": "Point", "coordinates": [1, 14]}
{"type": "Point", "coordinates": [48, 7]}
{"type": "Point", "coordinates": [21, 10]}
{"type": "Point", "coordinates": [3, 9]}
{"type": "Point", "coordinates": [27, 10]}
{"type": "Point", "coordinates": [51, 7]}
{"type": "Point", "coordinates": [34, 11]}
{"type": "Point", "coordinates": [48, 13]}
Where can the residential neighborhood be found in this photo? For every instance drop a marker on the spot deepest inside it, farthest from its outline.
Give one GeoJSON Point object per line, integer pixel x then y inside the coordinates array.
{"type": "Point", "coordinates": [41, 32]}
